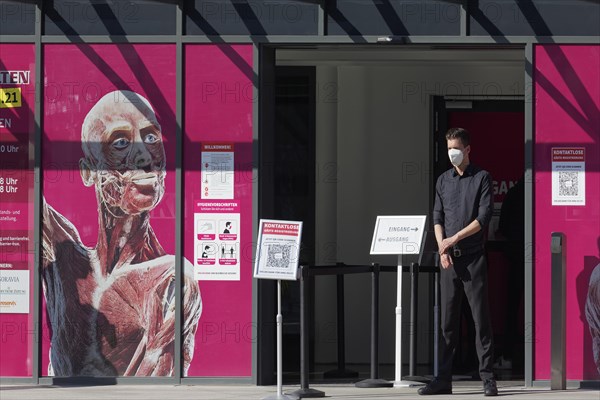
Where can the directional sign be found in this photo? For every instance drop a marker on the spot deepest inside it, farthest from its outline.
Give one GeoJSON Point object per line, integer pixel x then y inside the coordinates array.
{"type": "Point", "coordinates": [400, 234]}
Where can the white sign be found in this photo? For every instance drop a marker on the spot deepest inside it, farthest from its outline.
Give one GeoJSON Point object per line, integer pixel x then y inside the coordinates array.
{"type": "Point", "coordinates": [217, 240]}
{"type": "Point", "coordinates": [14, 291]}
{"type": "Point", "coordinates": [398, 234]}
{"type": "Point", "coordinates": [278, 250]}
{"type": "Point", "coordinates": [568, 176]}
{"type": "Point", "coordinates": [217, 171]}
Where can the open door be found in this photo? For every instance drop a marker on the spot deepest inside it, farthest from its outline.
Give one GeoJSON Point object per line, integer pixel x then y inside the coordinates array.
{"type": "Point", "coordinates": [287, 192]}
{"type": "Point", "coordinates": [498, 146]}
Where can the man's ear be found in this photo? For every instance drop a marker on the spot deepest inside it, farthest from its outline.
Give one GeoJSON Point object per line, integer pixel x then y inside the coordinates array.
{"type": "Point", "coordinates": [87, 175]}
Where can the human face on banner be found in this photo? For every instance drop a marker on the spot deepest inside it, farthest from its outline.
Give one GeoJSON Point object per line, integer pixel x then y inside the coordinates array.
{"type": "Point", "coordinates": [124, 153]}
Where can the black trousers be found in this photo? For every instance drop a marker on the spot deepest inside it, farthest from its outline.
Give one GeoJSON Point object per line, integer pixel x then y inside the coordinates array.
{"type": "Point", "coordinates": [468, 277]}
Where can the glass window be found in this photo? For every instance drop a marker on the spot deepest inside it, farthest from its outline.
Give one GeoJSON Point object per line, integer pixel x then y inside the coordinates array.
{"type": "Point", "coordinates": [110, 17]}
{"type": "Point", "coordinates": [536, 17]}
{"type": "Point", "coordinates": [252, 17]}
{"type": "Point", "coordinates": [17, 17]}
{"type": "Point", "coordinates": [393, 17]}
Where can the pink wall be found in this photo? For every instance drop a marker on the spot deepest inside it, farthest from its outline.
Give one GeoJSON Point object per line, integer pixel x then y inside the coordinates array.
{"type": "Point", "coordinates": [218, 109]}
{"type": "Point", "coordinates": [218, 83]}
{"type": "Point", "coordinates": [75, 78]}
{"type": "Point", "coordinates": [17, 132]}
{"type": "Point", "coordinates": [567, 102]}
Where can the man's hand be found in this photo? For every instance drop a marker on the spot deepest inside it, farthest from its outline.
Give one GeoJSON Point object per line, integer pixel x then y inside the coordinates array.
{"type": "Point", "coordinates": [446, 261]}
{"type": "Point", "coordinates": [448, 243]}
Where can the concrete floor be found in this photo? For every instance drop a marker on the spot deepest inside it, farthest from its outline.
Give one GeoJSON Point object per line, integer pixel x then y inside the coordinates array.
{"type": "Point", "coordinates": [462, 390]}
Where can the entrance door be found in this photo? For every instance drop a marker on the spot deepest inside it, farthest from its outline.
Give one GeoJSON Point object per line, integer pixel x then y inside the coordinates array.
{"type": "Point", "coordinates": [497, 145]}
{"type": "Point", "coordinates": [287, 192]}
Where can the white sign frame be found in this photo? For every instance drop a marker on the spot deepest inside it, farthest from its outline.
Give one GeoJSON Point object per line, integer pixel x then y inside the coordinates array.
{"type": "Point", "coordinates": [409, 222]}
{"type": "Point", "coordinates": [14, 289]}
{"type": "Point", "coordinates": [280, 236]}
{"type": "Point", "coordinates": [568, 173]}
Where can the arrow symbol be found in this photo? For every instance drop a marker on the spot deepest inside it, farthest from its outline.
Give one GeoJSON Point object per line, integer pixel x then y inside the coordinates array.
{"type": "Point", "coordinates": [415, 229]}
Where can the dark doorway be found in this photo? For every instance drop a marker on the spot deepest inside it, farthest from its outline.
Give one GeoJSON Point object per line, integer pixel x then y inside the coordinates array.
{"type": "Point", "coordinates": [497, 143]}
{"type": "Point", "coordinates": [287, 192]}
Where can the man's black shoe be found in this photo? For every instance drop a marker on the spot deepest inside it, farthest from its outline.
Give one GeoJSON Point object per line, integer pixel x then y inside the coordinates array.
{"type": "Point", "coordinates": [489, 387]}
{"type": "Point", "coordinates": [436, 386]}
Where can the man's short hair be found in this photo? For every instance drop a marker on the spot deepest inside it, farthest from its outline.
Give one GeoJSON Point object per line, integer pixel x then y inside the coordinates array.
{"type": "Point", "coordinates": [459, 133]}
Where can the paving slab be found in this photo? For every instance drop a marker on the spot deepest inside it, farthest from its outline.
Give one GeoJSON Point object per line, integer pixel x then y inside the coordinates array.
{"type": "Point", "coordinates": [467, 390]}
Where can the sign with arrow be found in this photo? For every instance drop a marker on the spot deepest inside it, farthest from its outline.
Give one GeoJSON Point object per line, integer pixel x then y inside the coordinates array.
{"type": "Point", "coordinates": [399, 234]}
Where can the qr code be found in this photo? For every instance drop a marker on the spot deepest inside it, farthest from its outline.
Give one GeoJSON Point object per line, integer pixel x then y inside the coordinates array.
{"type": "Point", "coordinates": [278, 256]}
{"type": "Point", "coordinates": [567, 183]}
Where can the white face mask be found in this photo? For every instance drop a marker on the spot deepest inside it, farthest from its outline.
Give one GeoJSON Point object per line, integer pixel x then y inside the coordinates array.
{"type": "Point", "coordinates": [456, 157]}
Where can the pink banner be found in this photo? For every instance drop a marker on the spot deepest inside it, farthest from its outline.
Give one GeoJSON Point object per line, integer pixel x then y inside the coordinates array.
{"type": "Point", "coordinates": [567, 117]}
{"type": "Point", "coordinates": [17, 100]}
{"type": "Point", "coordinates": [218, 130]}
{"type": "Point", "coordinates": [109, 213]}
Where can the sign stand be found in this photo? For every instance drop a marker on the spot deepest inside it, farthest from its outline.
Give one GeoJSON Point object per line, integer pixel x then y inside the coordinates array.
{"type": "Point", "coordinates": [398, 382]}
{"type": "Point", "coordinates": [277, 255]}
{"type": "Point", "coordinates": [399, 235]}
{"type": "Point", "coordinates": [279, 319]}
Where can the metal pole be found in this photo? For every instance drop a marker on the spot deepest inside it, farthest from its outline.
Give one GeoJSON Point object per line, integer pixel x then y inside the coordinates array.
{"type": "Point", "coordinates": [374, 381]}
{"type": "Point", "coordinates": [398, 311]}
{"type": "Point", "coordinates": [375, 322]}
{"type": "Point", "coordinates": [341, 371]}
{"type": "Point", "coordinates": [279, 319]}
{"type": "Point", "coordinates": [414, 288]}
{"type": "Point", "coordinates": [304, 390]}
{"type": "Point", "coordinates": [436, 324]}
{"type": "Point", "coordinates": [341, 346]}
{"type": "Point", "coordinates": [558, 323]}
{"type": "Point", "coordinates": [399, 382]}
{"type": "Point", "coordinates": [414, 306]}
{"type": "Point", "coordinates": [279, 322]}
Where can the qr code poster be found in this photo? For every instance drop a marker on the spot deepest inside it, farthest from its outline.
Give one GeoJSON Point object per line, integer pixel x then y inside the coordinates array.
{"type": "Point", "coordinates": [568, 176]}
{"type": "Point", "coordinates": [278, 250]}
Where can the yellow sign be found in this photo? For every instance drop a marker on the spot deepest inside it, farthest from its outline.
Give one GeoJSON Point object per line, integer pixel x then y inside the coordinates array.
{"type": "Point", "coordinates": [10, 97]}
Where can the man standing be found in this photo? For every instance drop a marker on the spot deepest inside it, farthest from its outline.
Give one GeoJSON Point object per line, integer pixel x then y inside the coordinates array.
{"type": "Point", "coordinates": [462, 211]}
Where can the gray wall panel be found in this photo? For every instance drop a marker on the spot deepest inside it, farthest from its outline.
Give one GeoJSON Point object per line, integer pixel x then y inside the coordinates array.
{"type": "Point", "coordinates": [252, 17]}
{"type": "Point", "coordinates": [393, 17]}
{"type": "Point", "coordinates": [109, 17]}
{"type": "Point", "coordinates": [535, 17]}
{"type": "Point", "coordinates": [17, 17]}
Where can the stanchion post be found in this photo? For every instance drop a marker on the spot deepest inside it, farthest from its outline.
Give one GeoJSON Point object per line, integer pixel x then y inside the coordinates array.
{"type": "Point", "coordinates": [414, 288]}
{"type": "Point", "coordinates": [375, 322]}
{"type": "Point", "coordinates": [341, 339]}
{"type": "Point", "coordinates": [558, 322]}
{"type": "Point", "coordinates": [341, 371]}
{"type": "Point", "coordinates": [374, 381]}
{"type": "Point", "coordinates": [436, 323]}
{"type": "Point", "coordinates": [305, 391]}
{"type": "Point", "coordinates": [399, 382]}
{"type": "Point", "coordinates": [414, 331]}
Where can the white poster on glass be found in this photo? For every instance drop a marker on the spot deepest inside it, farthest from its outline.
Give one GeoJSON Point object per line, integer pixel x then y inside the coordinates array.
{"type": "Point", "coordinates": [217, 171]}
{"type": "Point", "coordinates": [217, 240]}
{"type": "Point", "coordinates": [568, 176]}
{"type": "Point", "coordinates": [14, 291]}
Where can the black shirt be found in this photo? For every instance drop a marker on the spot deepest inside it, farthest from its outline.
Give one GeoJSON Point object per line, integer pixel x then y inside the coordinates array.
{"type": "Point", "coordinates": [461, 199]}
